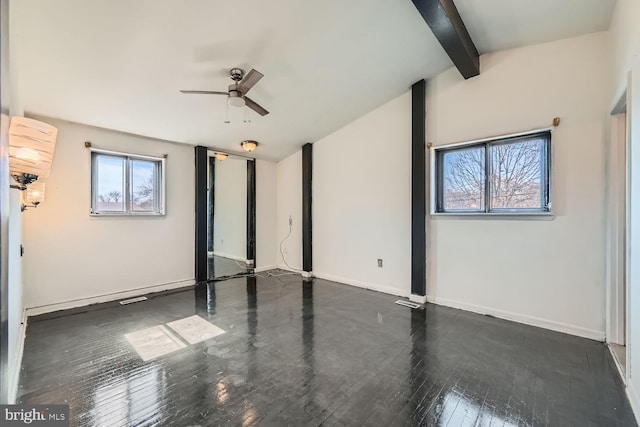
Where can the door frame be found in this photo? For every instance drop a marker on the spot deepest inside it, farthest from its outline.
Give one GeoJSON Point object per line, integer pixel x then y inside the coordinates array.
{"type": "Point", "coordinates": [5, 179]}
{"type": "Point", "coordinates": [617, 207]}
{"type": "Point", "coordinates": [207, 192]}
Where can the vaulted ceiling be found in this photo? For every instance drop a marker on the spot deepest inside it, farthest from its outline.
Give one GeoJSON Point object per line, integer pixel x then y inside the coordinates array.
{"type": "Point", "coordinates": [120, 64]}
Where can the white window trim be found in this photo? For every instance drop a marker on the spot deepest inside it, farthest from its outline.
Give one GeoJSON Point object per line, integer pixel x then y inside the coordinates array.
{"type": "Point", "coordinates": [543, 215]}
{"type": "Point", "coordinates": [162, 185]}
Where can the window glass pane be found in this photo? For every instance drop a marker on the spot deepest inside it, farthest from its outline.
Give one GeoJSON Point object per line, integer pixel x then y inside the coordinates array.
{"type": "Point", "coordinates": [109, 176]}
{"type": "Point", "coordinates": [464, 178]}
{"type": "Point", "coordinates": [144, 185]}
{"type": "Point", "coordinates": [517, 171]}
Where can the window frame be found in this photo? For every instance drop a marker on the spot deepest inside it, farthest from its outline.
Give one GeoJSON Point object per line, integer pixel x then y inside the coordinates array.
{"type": "Point", "coordinates": [159, 210]}
{"type": "Point", "coordinates": [437, 175]}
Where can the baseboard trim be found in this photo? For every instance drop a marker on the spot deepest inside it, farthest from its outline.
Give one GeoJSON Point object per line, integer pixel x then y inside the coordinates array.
{"type": "Point", "coordinates": [224, 255]}
{"type": "Point", "coordinates": [521, 318]}
{"type": "Point", "coordinates": [80, 302]}
{"type": "Point", "coordinates": [292, 270]}
{"type": "Point", "coordinates": [617, 363]}
{"type": "Point", "coordinates": [265, 268]}
{"type": "Point", "coordinates": [15, 379]}
{"type": "Point", "coordinates": [634, 399]}
{"type": "Point", "coordinates": [418, 299]}
{"type": "Point", "coordinates": [366, 285]}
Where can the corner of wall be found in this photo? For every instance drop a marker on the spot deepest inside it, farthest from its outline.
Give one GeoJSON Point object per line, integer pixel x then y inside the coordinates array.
{"type": "Point", "coordinates": [289, 202]}
{"type": "Point", "coordinates": [266, 214]}
{"type": "Point", "coordinates": [16, 313]}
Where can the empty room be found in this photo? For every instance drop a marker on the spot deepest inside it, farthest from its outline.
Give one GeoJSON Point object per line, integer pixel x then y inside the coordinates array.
{"type": "Point", "coordinates": [320, 213]}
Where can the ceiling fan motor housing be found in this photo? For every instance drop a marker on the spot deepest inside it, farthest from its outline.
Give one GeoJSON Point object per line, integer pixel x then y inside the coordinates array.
{"type": "Point", "coordinates": [235, 92]}
{"type": "Point", "coordinates": [236, 74]}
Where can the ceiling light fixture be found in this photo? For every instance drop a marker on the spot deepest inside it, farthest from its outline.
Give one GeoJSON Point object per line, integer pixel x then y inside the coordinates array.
{"type": "Point", "coordinates": [248, 145]}
{"type": "Point", "coordinates": [221, 156]}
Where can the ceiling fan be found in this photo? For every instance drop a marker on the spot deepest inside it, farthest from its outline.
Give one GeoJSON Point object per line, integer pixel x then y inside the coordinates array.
{"type": "Point", "coordinates": [237, 93]}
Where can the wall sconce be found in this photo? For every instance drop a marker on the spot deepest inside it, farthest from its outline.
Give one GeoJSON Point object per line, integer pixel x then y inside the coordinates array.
{"type": "Point", "coordinates": [33, 196]}
{"type": "Point", "coordinates": [31, 145]}
{"type": "Point", "coordinates": [248, 145]}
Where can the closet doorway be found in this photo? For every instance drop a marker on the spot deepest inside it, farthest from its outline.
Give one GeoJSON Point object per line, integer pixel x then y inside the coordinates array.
{"type": "Point", "coordinates": [231, 216]}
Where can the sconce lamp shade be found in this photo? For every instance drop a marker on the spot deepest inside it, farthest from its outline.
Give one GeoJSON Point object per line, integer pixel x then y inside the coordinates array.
{"type": "Point", "coordinates": [35, 193]}
{"type": "Point", "coordinates": [31, 145]}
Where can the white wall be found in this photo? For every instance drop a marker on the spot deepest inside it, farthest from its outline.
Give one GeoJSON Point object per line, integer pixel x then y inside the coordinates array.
{"type": "Point", "coordinates": [625, 53]}
{"type": "Point", "coordinates": [362, 201]}
{"type": "Point", "coordinates": [289, 185]}
{"type": "Point", "coordinates": [16, 328]}
{"type": "Point", "coordinates": [230, 208]}
{"type": "Point", "coordinates": [633, 282]}
{"type": "Point", "coordinates": [15, 282]}
{"type": "Point", "coordinates": [529, 270]}
{"type": "Point", "coordinates": [546, 273]}
{"type": "Point", "coordinates": [625, 44]}
{"type": "Point", "coordinates": [71, 255]}
{"type": "Point", "coordinates": [266, 213]}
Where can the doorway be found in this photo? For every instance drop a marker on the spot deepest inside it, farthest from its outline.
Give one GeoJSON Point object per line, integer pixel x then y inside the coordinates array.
{"type": "Point", "coordinates": [231, 216]}
{"type": "Point", "coordinates": [617, 250]}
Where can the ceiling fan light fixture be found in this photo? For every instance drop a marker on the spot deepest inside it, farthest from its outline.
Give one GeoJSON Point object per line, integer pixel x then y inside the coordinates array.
{"type": "Point", "coordinates": [236, 100]}
{"type": "Point", "coordinates": [236, 94]}
{"type": "Point", "coordinates": [221, 156]}
{"type": "Point", "coordinates": [248, 145]}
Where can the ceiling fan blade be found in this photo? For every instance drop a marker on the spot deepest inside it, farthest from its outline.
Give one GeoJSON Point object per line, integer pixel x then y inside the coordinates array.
{"type": "Point", "coordinates": [255, 107]}
{"type": "Point", "coordinates": [249, 80]}
{"type": "Point", "coordinates": [204, 92]}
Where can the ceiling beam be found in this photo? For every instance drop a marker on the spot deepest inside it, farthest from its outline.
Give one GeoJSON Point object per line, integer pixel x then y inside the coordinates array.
{"type": "Point", "coordinates": [444, 20]}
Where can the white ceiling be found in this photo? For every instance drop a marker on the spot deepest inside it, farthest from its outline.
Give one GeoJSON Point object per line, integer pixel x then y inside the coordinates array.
{"type": "Point", "coordinates": [504, 24]}
{"type": "Point", "coordinates": [119, 64]}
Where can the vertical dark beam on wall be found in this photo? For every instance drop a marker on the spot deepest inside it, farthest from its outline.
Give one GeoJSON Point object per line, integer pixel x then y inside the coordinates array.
{"type": "Point", "coordinates": [251, 211]}
{"type": "Point", "coordinates": [307, 226]}
{"type": "Point", "coordinates": [5, 378]}
{"type": "Point", "coordinates": [212, 202]}
{"type": "Point", "coordinates": [418, 190]}
{"type": "Point", "coordinates": [201, 213]}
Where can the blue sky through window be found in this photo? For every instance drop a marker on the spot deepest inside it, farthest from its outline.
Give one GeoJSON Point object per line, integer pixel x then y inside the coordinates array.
{"type": "Point", "coordinates": [111, 181]}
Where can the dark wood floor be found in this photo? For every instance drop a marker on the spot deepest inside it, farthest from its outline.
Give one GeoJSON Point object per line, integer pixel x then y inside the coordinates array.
{"type": "Point", "coordinates": [318, 354]}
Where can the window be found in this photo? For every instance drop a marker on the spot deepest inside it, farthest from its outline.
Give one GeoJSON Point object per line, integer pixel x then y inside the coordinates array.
{"type": "Point", "coordinates": [502, 175]}
{"type": "Point", "coordinates": [123, 184]}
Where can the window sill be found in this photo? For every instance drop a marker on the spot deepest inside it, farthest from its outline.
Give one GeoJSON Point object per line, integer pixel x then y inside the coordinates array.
{"type": "Point", "coordinates": [542, 216]}
{"type": "Point", "coordinates": [127, 215]}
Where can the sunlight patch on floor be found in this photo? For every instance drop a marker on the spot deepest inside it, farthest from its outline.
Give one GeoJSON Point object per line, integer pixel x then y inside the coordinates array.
{"type": "Point", "coordinates": [161, 340]}
{"type": "Point", "coordinates": [195, 329]}
{"type": "Point", "coordinates": [154, 342]}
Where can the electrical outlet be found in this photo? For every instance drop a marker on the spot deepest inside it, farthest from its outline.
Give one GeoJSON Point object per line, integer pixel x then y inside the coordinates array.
{"type": "Point", "coordinates": [380, 262]}
{"type": "Point", "coordinates": [285, 250]}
